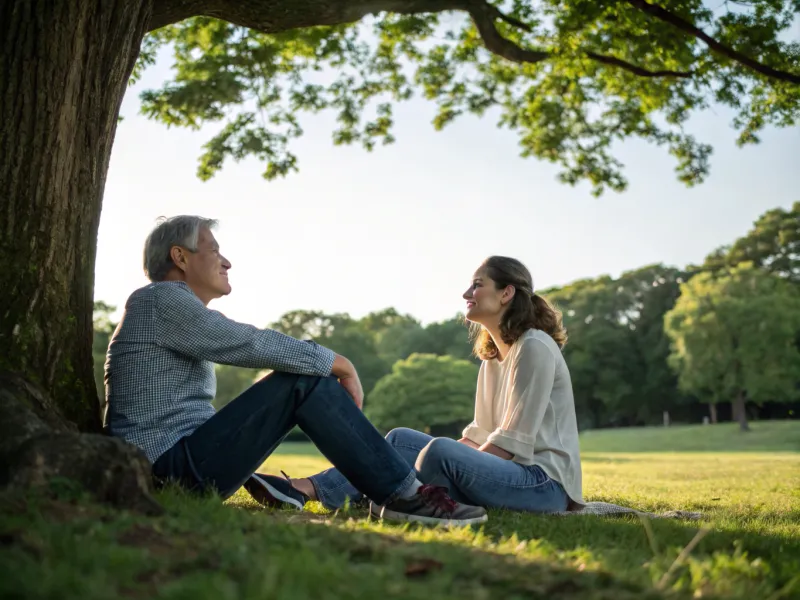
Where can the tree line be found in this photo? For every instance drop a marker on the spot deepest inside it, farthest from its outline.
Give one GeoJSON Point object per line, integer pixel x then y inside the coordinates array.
{"type": "Point", "coordinates": [718, 340]}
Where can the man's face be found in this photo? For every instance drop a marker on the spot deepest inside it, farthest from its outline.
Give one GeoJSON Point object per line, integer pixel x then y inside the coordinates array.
{"type": "Point", "coordinates": [206, 270]}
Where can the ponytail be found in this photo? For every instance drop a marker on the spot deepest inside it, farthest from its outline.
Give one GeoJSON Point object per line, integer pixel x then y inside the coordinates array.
{"type": "Point", "coordinates": [549, 319]}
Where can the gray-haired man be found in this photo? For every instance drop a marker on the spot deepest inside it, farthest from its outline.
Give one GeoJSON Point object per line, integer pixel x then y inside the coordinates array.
{"type": "Point", "coordinates": [160, 383]}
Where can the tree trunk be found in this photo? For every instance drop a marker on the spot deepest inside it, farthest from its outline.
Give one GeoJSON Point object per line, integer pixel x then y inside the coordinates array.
{"type": "Point", "coordinates": [712, 409]}
{"type": "Point", "coordinates": [65, 67]}
{"type": "Point", "coordinates": [739, 412]}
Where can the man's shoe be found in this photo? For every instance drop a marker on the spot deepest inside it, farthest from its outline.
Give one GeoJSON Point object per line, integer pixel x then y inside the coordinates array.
{"type": "Point", "coordinates": [431, 505]}
{"type": "Point", "coordinates": [274, 492]}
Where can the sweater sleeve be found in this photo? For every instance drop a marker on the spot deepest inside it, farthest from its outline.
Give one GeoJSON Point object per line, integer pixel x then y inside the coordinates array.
{"type": "Point", "coordinates": [529, 397]}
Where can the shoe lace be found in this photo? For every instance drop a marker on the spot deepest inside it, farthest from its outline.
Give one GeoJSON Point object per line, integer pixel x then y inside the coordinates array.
{"type": "Point", "coordinates": [437, 496]}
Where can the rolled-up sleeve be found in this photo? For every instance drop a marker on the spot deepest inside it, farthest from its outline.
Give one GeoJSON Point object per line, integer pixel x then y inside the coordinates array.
{"type": "Point", "coordinates": [476, 433]}
{"type": "Point", "coordinates": [184, 324]}
{"type": "Point", "coordinates": [532, 383]}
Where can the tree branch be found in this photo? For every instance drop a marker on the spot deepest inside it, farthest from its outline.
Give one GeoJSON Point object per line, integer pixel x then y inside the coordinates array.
{"type": "Point", "coordinates": [484, 15]}
{"type": "Point", "coordinates": [275, 16]}
{"type": "Point", "coordinates": [678, 22]}
{"type": "Point", "coordinates": [636, 70]}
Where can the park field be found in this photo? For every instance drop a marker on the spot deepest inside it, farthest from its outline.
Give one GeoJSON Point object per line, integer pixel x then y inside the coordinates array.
{"type": "Point", "coordinates": [747, 545]}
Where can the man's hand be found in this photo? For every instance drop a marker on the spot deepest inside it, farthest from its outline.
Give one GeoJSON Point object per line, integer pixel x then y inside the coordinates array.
{"type": "Point", "coordinates": [353, 387]}
{"type": "Point", "coordinates": [344, 370]}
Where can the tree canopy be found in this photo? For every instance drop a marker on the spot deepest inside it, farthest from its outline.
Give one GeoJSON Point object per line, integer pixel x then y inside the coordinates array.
{"type": "Point", "coordinates": [425, 392]}
{"type": "Point", "coordinates": [572, 79]}
{"type": "Point", "coordinates": [772, 244]}
{"type": "Point", "coordinates": [734, 337]}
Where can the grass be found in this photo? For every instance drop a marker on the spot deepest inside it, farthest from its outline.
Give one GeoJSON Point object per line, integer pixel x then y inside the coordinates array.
{"type": "Point", "coordinates": [201, 549]}
{"type": "Point", "coordinates": [769, 436]}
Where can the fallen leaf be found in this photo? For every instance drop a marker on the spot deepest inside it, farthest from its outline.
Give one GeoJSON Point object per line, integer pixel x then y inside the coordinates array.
{"type": "Point", "coordinates": [422, 567]}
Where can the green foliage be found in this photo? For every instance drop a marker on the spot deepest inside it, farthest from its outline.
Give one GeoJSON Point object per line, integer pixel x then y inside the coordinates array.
{"type": "Point", "coordinates": [735, 333]}
{"type": "Point", "coordinates": [617, 349]}
{"type": "Point", "coordinates": [103, 328]}
{"type": "Point", "coordinates": [342, 334]}
{"type": "Point", "coordinates": [772, 244]}
{"type": "Point", "coordinates": [572, 79]}
{"type": "Point", "coordinates": [232, 381]}
{"type": "Point", "coordinates": [376, 341]}
{"type": "Point", "coordinates": [425, 392]}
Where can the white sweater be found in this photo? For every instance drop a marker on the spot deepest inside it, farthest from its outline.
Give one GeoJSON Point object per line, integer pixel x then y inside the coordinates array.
{"type": "Point", "coordinates": [525, 406]}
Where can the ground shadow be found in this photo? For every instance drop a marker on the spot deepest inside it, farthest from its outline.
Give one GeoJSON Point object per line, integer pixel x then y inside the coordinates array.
{"type": "Point", "coordinates": [275, 555]}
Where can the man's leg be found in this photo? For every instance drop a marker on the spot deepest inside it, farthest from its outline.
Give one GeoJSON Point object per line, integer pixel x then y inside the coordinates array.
{"type": "Point", "coordinates": [333, 489]}
{"type": "Point", "coordinates": [227, 449]}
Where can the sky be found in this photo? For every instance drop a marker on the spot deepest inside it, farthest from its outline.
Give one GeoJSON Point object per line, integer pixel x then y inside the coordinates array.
{"type": "Point", "coordinates": [407, 225]}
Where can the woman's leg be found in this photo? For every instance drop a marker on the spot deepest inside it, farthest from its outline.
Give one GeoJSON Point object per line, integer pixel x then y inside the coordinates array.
{"type": "Point", "coordinates": [333, 489]}
{"type": "Point", "coordinates": [486, 480]}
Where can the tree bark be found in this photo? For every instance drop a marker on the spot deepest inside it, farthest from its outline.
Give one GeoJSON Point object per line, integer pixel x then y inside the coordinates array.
{"type": "Point", "coordinates": [65, 66]}
{"type": "Point", "coordinates": [712, 409]}
{"type": "Point", "coordinates": [739, 411]}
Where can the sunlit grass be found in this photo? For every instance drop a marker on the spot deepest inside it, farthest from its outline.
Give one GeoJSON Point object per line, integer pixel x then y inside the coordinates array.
{"type": "Point", "coordinates": [204, 549]}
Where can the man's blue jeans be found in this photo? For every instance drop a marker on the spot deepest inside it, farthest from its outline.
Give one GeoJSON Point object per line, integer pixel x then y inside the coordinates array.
{"type": "Point", "coordinates": [473, 477]}
{"type": "Point", "coordinates": [226, 450]}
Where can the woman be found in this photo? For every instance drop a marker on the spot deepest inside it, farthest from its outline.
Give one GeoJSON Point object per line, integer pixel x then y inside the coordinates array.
{"type": "Point", "coordinates": [521, 450]}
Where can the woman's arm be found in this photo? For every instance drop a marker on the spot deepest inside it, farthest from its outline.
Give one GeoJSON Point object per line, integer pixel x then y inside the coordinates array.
{"type": "Point", "coordinates": [490, 448]}
{"type": "Point", "coordinates": [528, 400]}
{"type": "Point", "coordinates": [469, 442]}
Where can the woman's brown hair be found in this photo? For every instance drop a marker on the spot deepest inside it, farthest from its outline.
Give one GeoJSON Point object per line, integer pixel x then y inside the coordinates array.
{"type": "Point", "coordinates": [527, 309]}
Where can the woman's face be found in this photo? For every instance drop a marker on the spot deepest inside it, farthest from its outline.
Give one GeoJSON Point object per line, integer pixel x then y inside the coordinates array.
{"type": "Point", "coordinates": [484, 301]}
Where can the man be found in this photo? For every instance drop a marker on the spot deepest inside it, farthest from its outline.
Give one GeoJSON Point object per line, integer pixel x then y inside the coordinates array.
{"type": "Point", "coordinates": [160, 383]}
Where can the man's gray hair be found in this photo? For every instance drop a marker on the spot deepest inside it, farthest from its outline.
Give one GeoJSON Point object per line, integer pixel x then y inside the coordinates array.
{"type": "Point", "coordinates": [182, 230]}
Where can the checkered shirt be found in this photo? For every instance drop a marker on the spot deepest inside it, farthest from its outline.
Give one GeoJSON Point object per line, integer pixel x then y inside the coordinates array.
{"type": "Point", "coordinates": [159, 371]}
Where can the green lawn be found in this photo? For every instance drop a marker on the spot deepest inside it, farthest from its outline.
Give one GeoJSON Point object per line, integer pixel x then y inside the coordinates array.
{"type": "Point", "coordinates": [748, 490]}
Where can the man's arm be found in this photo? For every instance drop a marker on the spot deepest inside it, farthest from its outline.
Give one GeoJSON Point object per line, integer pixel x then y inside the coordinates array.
{"type": "Point", "coordinates": [185, 325]}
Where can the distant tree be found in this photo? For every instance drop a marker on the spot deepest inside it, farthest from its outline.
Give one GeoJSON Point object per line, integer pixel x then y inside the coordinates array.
{"type": "Point", "coordinates": [733, 338]}
{"type": "Point", "coordinates": [103, 328]}
{"type": "Point", "coordinates": [435, 394]}
{"type": "Point", "coordinates": [601, 353]}
{"type": "Point", "coordinates": [443, 338]}
{"type": "Point", "coordinates": [772, 244]}
{"type": "Point", "coordinates": [649, 293]}
{"type": "Point", "coordinates": [232, 381]}
{"type": "Point", "coordinates": [342, 334]}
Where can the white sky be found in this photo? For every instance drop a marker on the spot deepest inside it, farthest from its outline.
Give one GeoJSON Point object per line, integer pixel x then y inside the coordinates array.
{"type": "Point", "coordinates": [406, 225]}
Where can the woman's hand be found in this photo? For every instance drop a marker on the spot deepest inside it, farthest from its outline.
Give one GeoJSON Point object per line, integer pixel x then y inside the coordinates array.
{"type": "Point", "coordinates": [496, 450]}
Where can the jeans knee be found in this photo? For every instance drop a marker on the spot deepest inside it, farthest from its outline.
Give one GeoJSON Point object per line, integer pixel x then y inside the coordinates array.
{"type": "Point", "coordinates": [397, 434]}
{"type": "Point", "coordinates": [433, 457]}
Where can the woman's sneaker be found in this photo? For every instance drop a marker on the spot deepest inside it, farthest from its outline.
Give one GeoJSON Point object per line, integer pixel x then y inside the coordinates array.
{"type": "Point", "coordinates": [274, 492]}
{"type": "Point", "coordinates": [431, 505]}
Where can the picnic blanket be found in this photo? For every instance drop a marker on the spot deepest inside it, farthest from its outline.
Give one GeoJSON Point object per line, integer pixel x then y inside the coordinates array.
{"type": "Point", "coordinates": [615, 510]}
